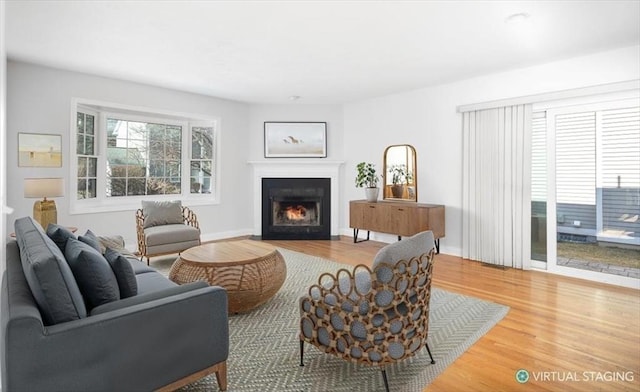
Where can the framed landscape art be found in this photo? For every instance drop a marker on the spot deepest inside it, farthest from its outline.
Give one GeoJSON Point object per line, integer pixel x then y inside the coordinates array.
{"type": "Point", "coordinates": [295, 139]}
{"type": "Point", "coordinates": [39, 150]}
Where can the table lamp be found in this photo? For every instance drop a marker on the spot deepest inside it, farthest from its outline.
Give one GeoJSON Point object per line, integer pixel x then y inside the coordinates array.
{"type": "Point", "coordinates": [44, 211]}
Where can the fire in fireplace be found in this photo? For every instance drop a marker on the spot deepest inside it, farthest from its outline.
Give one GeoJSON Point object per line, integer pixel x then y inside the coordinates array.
{"type": "Point", "coordinates": [296, 208]}
{"type": "Point", "coordinates": [293, 213]}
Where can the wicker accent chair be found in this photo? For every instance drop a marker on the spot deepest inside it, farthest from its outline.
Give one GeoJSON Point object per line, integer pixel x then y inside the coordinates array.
{"type": "Point", "coordinates": [164, 228]}
{"type": "Point", "coordinates": [373, 316]}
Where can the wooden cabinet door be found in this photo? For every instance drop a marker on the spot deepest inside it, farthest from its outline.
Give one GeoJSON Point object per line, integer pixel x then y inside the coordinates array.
{"type": "Point", "coordinates": [356, 214]}
{"type": "Point", "coordinates": [400, 220]}
{"type": "Point", "coordinates": [374, 217]}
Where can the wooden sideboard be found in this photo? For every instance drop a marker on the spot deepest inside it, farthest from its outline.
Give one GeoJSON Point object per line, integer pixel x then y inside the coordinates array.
{"type": "Point", "coordinates": [396, 217]}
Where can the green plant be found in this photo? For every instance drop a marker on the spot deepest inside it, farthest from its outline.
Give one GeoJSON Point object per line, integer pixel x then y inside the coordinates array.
{"type": "Point", "coordinates": [400, 174]}
{"type": "Point", "coordinates": [366, 176]}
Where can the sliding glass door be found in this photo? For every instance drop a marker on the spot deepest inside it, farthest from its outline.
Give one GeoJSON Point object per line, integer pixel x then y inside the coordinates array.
{"type": "Point", "coordinates": [539, 190]}
{"type": "Point", "coordinates": [585, 210]}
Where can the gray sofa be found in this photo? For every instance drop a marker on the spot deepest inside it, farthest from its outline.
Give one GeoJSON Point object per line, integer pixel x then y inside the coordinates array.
{"type": "Point", "coordinates": [52, 340]}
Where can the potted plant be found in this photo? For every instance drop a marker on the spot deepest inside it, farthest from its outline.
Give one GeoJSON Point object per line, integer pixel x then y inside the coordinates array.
{"type": "Point", "coordinates": [399, 177]}
{"type": "Point", "coordinates": [366, 177]}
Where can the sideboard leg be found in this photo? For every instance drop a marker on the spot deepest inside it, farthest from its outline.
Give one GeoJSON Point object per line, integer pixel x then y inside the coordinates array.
{"type": "Point", "coordinates": [355, 236]}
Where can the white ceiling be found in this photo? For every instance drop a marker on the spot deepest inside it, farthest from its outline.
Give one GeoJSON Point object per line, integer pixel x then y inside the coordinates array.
{"type": "Point", "coordinates": [323, 51]}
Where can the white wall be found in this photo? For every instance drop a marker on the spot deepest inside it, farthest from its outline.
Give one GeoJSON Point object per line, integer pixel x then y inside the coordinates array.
{"type": "Point", "coordinates": [38, 100]}
{"type": "Point", "coordinates": [3, 154]}
{"type": "Point", "coordinates": [3, 134]}
{"type": "Point", "coordinates": [427, 119]}
{"type": "Point", "coordinates": [331, 114]}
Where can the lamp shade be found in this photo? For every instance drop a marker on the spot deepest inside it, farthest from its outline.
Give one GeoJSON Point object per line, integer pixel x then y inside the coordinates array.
{"type": "Point", "coordinates": [43, 187]}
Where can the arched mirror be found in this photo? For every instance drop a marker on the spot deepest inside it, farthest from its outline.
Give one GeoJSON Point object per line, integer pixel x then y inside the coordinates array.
{"type": "Point", "coordinates": [400, 176]}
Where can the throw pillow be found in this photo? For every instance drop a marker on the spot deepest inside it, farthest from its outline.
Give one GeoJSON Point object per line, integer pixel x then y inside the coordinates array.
{"type": "Point", "coordinates": [91, 239]}
{"type": "Point", "coordinates": [48, 275]}
{"type": "Point", "coordinates": [115, 242]}
{"type": "Point", "coordinates": [157, 213]}
{"type": "Point", "coordinates": [94, 276]}
{"type": "Point", "coordinates": [59, 235]}
{"type": "Point", "coordinates": [124, 273]}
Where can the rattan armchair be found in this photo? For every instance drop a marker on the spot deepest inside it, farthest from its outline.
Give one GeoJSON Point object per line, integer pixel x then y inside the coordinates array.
{"type": "Point", "coordinates": [165, 228]}
{"type": "Point", "coordinates": [373, 316]}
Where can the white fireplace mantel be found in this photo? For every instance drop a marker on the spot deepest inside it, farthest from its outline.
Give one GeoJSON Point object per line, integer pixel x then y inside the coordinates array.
{"type": "Point", "coordinates": [296, 168]}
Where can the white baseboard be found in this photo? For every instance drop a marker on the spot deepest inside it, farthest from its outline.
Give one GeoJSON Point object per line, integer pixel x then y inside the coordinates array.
{"type": "Point", "coordinates": [390, 238]}
{"type": "Point", "coordinates": [132, 244]}
{"type": "Point", "coordinates": [225, 234]}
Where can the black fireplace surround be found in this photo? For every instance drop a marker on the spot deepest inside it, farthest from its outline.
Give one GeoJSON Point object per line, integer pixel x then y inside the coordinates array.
{"type": "Point", "coordinates": [296, 208]}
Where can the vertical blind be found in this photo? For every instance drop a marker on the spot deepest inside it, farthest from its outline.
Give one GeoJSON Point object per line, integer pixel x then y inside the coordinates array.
{"type": "Point", "coordinates": [576, 158]}
{"type": "Point", "coordinates": [619, 174]}
{"type": "Point", "coordinates": [621, 147]}
{"type": "Point", "coordinates": [539, 157]}
{"type": "Point", "coordinates": [497, 186]}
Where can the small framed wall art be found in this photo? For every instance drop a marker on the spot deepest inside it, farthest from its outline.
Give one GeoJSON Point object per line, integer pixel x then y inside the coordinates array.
{"type": "Point", "coordinates": [295, 139]}
{"type": "Point", "coordinates": [39, 150]}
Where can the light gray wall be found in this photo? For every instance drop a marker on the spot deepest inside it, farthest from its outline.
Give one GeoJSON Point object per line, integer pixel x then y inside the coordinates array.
{"type": "Point", "coordinates": [3, 153]}
{"type": "Point", "coordinates": [331, 114]}
{"type": "Point", "coordinates": [427, 119]}
{"type": "Point", "coordinates": [39, 100]}
{"type": "Point", "coordinates": [3, 133]}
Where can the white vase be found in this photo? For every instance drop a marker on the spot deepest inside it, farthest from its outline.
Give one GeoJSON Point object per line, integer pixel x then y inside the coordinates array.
{"type": "Point", "coordinates": [371, 194]}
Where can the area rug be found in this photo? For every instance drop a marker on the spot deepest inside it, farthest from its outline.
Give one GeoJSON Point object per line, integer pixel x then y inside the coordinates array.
{"type": "Point", "coordinates": [264, 345]}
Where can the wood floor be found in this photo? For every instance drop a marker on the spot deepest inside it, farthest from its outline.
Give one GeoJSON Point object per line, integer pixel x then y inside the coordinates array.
{"type": "Point", "coordinates": [570, 334]}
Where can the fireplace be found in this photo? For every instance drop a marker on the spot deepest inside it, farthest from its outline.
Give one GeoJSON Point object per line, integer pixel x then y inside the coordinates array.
{"type": "Point", "coordinates": [296, 208]}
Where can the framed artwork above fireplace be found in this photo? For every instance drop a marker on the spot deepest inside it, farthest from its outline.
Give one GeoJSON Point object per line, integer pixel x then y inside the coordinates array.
{"type": "Point", "coordinates": [295, 139]}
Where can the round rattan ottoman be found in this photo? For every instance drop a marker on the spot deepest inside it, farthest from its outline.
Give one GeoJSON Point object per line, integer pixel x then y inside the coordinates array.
{"type": "Point", "coordinates": [251, 271]}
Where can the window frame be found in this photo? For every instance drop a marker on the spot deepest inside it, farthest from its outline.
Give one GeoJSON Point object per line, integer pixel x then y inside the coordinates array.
{"type": "Point", "coordinates": [215, 175]}
{"type": "Point", "coordinates": [102, 203]}
{"type": "Point", "coordinates": [92, 112]}
{"type": "Point", "coordinates": [595, 102]}
{"type": "Point", "coordinates": [184, 126]}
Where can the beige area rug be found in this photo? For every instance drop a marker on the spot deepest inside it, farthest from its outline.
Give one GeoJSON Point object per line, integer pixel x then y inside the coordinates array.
{"type": "Point", "coordinates": [264, 345]}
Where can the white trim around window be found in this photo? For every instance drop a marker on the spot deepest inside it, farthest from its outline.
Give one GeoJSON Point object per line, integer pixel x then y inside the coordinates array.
{"type": "Point", "coordinates": [102, 203]}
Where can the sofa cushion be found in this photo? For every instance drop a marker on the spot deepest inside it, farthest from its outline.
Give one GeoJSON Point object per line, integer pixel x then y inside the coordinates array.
{"type": "Point", "coordinates": [123, 270]}
{"type": "Point", "coordinates": [59, 235]}
{"type": "Point", "coordinates": [91, 239]}
{"type": "Point", "coordinates": [169, 234]}
{"type": "Point", "coordinates": [176, 247]}
{"type": "Point", "coordinates": [50, 278]}
{"type": "Point", "coordinates": [152, 296]}
{"type": "Point", "coordinates": [95, 277]}
{"type": "Point", "coordinates": [157, 213]}
{"type": "Point", "coordinates": [115, 242]}
{"type": "Point", "coordinates": [152, 281]}
{"type": "Point", "coordinates": [139, 267]}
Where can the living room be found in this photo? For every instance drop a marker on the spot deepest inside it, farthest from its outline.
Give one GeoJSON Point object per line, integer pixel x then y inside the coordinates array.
{"type": "Point", "coordinates": [38, 97]}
